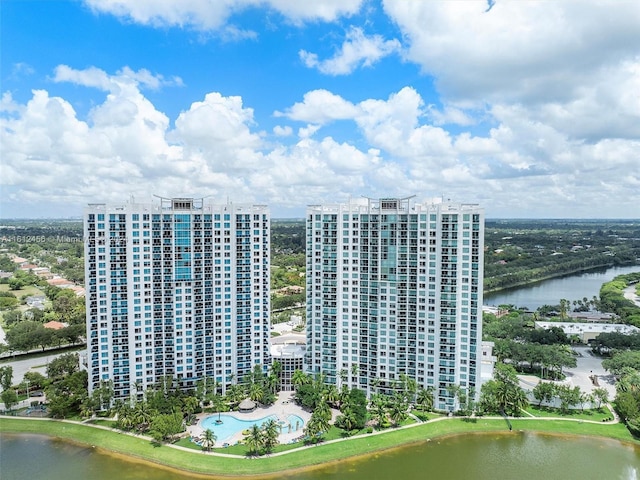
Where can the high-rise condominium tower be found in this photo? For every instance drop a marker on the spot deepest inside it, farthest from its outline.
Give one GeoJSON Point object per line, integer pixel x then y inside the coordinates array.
{"type": "Point", "coordinates": [394, 291]}
{"type": "Point", "coordinates": [176, 288]}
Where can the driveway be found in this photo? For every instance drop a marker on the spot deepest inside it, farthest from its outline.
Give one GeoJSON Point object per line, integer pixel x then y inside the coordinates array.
{"type": "Point", "coordinates": [588, 364]}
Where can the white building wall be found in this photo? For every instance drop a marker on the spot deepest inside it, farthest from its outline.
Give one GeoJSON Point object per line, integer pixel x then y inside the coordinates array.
{"type": "Point", "coordinates": [176, 288]}
{"type": "Point", "coordinates": [394, 289]}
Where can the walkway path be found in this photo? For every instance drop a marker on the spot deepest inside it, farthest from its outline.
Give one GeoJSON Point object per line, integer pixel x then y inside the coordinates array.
{"type": "Point", "coordinates": [630, 294]}
{"type": "Point", "coordinates": [304, 447]}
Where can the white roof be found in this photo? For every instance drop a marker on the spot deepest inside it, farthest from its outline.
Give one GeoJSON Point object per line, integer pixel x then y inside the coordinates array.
{"type": "Point", "coordinates": [582, 327]}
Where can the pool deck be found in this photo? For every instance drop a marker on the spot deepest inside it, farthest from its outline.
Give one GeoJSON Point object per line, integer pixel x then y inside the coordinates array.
{"type": "Point", "coordinates": [282, 408]}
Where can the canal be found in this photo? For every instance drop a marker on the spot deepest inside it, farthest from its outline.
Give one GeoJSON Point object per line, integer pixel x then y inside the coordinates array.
{"type": "Point", "coordinates": [549, 292]}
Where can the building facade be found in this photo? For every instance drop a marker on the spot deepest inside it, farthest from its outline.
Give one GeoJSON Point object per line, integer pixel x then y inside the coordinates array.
{"type": "Point", "coordinates": [176, 288]}
{"type": "Point", "coordinates": [291, 358]}
{"type": "Point", "coordinates": [394, 291]}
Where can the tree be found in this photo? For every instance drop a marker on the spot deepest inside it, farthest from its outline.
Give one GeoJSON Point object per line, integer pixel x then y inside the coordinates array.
{"type": "Point", "coordinates": [103, 395]}
{"type": "Point", "coordinates": [600, 395]}
{"type": "Point", "coordinates": [331, 395]}
{"type": "Point", "coordinates": [36, 380]}
{"type": "Point", "coordinates": [503, 394]}
{"type": "Point", "coordinates": [63, 365]}
{"type": "Point", "coordinates": [208, 440]}
{"type": "Point", "coordinates": [398, 409]}
{"type": "Point", "coordinates": [66, 394]}
{"type": "Point", "coordinates": [166, 426]}
{"type": "Point", "coordinates": [424, 399]}
{"type": "Point", "coordinates": [347, 420]}
{"type": "Point", "coordinates": [253, 439]}
{"type": "Point", "coordinates": [568, 396]}
{"type": "Point", "coordinates": [300, 378]}
{"type": "Point", "coordinates": [626, 405]}
{"type": "Point", "coordinates": [27, 335]}
{"type": "Point", "coordinates": [12, 317]}
{"type": "Point", "coordinates": [9, 398]}
{"type": "Point", "coordinates": [256, 393]}
{"type": "Point", "coordinates": [378, 410]}
{"type": "Point", "coordinates": [544, 392]}
{"type": "Point", "coordinates": [621, 359]}
{"type": "Point", "coordinates": [316, 427]}
{"type": "Point", "coordinates": [6, 377]}
{"type": "Point", "coordinates": [357, 402]}
{"type": "Point", "coordinates": [270, 435]}
{"type": "Point", "coordinates": [342, 374]}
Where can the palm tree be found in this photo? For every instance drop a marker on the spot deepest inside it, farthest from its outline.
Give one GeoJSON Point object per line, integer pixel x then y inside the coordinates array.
{"type": "Point", "coordinates": [323, 410]}
{"type": "Point", "coordinates": [256, 393]}
{"type": "Point", "coordinates": [343, 375]}
{"type": "Point", "coordinates": [217, 402]}
{"type": "Point", "coordinates": [425, 398]}
{"type": "Point", "coordinates": [235, 393]}
{"type": "Point", "coordinates": [398, 410]}
{"type": "Point", "coordinates": [375, 383]}
{"type": "Point", "coordinates": [300, 378]}
{"type": "Point", "coordinates": [142, 416]}
{"type": "Point", "coordinates": [348, 418]}
{"type": "Point", "coordinates": [270, 438]}
{"type": "Point", "coordinates": [379, 409]}
{"type": "Point", "coordinates": [454, 391]}
{"type": "Point", "coordinates": [316, 427]}
{"type": "Point", "coordinates": [254, 440]}
{"type": "Point", "coordinates": [86, 408]}
{"type": "Point", "coordinates": [276, 368]}
{"type": "Point", "coordinates": [208, 440]}
{"type": "Point", "coordinates": [272, 382]}
{"type": "Point", "coordinates": [331, 395]}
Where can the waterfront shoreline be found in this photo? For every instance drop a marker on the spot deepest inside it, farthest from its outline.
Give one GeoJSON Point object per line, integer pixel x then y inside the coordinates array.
{"type": "Point", "coordinates": [569, 273]}
{"type": "Point", "coordinates": [208, 465]}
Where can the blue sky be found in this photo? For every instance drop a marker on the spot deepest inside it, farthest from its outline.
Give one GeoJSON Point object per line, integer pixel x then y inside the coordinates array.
{"type": "Point", "coordinates": [531, 109]}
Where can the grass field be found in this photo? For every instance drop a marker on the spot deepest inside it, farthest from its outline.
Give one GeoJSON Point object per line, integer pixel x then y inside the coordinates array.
{"type": "Point", "coordinates": [195, 461]}
{"type": "Point", "coordinates": [28, 290]}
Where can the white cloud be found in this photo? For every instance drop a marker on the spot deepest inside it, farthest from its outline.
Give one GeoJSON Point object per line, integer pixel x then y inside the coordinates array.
{"type": "Point", "coordinates": [526, 51]}
{"type": "Point", "coordinates": [97, 78]}
{"type": "Point", "coordinates": [527, 164]}
{"type": "Point", "coordinates": [450, 115]}
{"type": "Point", "coordinates": [21, 69]}
{"type": "Point", "coordinates": [308, 131]}
{"type": "Point", "coordinates": [320, 106]}
{"type": "Point", "coordinates": [89, 77]}
{"type": "Point", "coordinates": [357, 50]}
{"type": "Point", "coordinates": [281, 131]}
{"type": "Point", "coordinates": [218, 128]}
{"type": "Point", "coordinates": [213, 14]}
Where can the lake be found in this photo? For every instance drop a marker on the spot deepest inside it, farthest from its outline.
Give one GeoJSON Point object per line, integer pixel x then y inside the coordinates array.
{"type": "Point", "coordinates": [515, 455]}
{"type": "Point", "coordinates": [549, 292]}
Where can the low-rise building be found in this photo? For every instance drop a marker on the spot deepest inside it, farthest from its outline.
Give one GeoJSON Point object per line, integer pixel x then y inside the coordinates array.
{"type": "Point", "coordinates": [291, 358]}
{"type": "Point", "coordinates": [588, 331]}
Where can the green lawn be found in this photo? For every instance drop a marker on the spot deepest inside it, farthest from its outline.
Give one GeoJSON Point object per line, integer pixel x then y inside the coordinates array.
{"type": "Point", "coordinates": [197, 462]}
{"type": "Point", "coordinates": [27, 290]}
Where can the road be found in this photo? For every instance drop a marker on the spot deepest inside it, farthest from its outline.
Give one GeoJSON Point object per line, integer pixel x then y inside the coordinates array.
{"type": "Point", "coordinates": [33, 364]}
{"type": "Point", "coordinates": [588, 365]}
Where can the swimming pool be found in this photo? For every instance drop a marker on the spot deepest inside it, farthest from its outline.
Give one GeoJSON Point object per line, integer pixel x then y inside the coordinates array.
{"type": "Point", "coordinates": [231, 425]}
